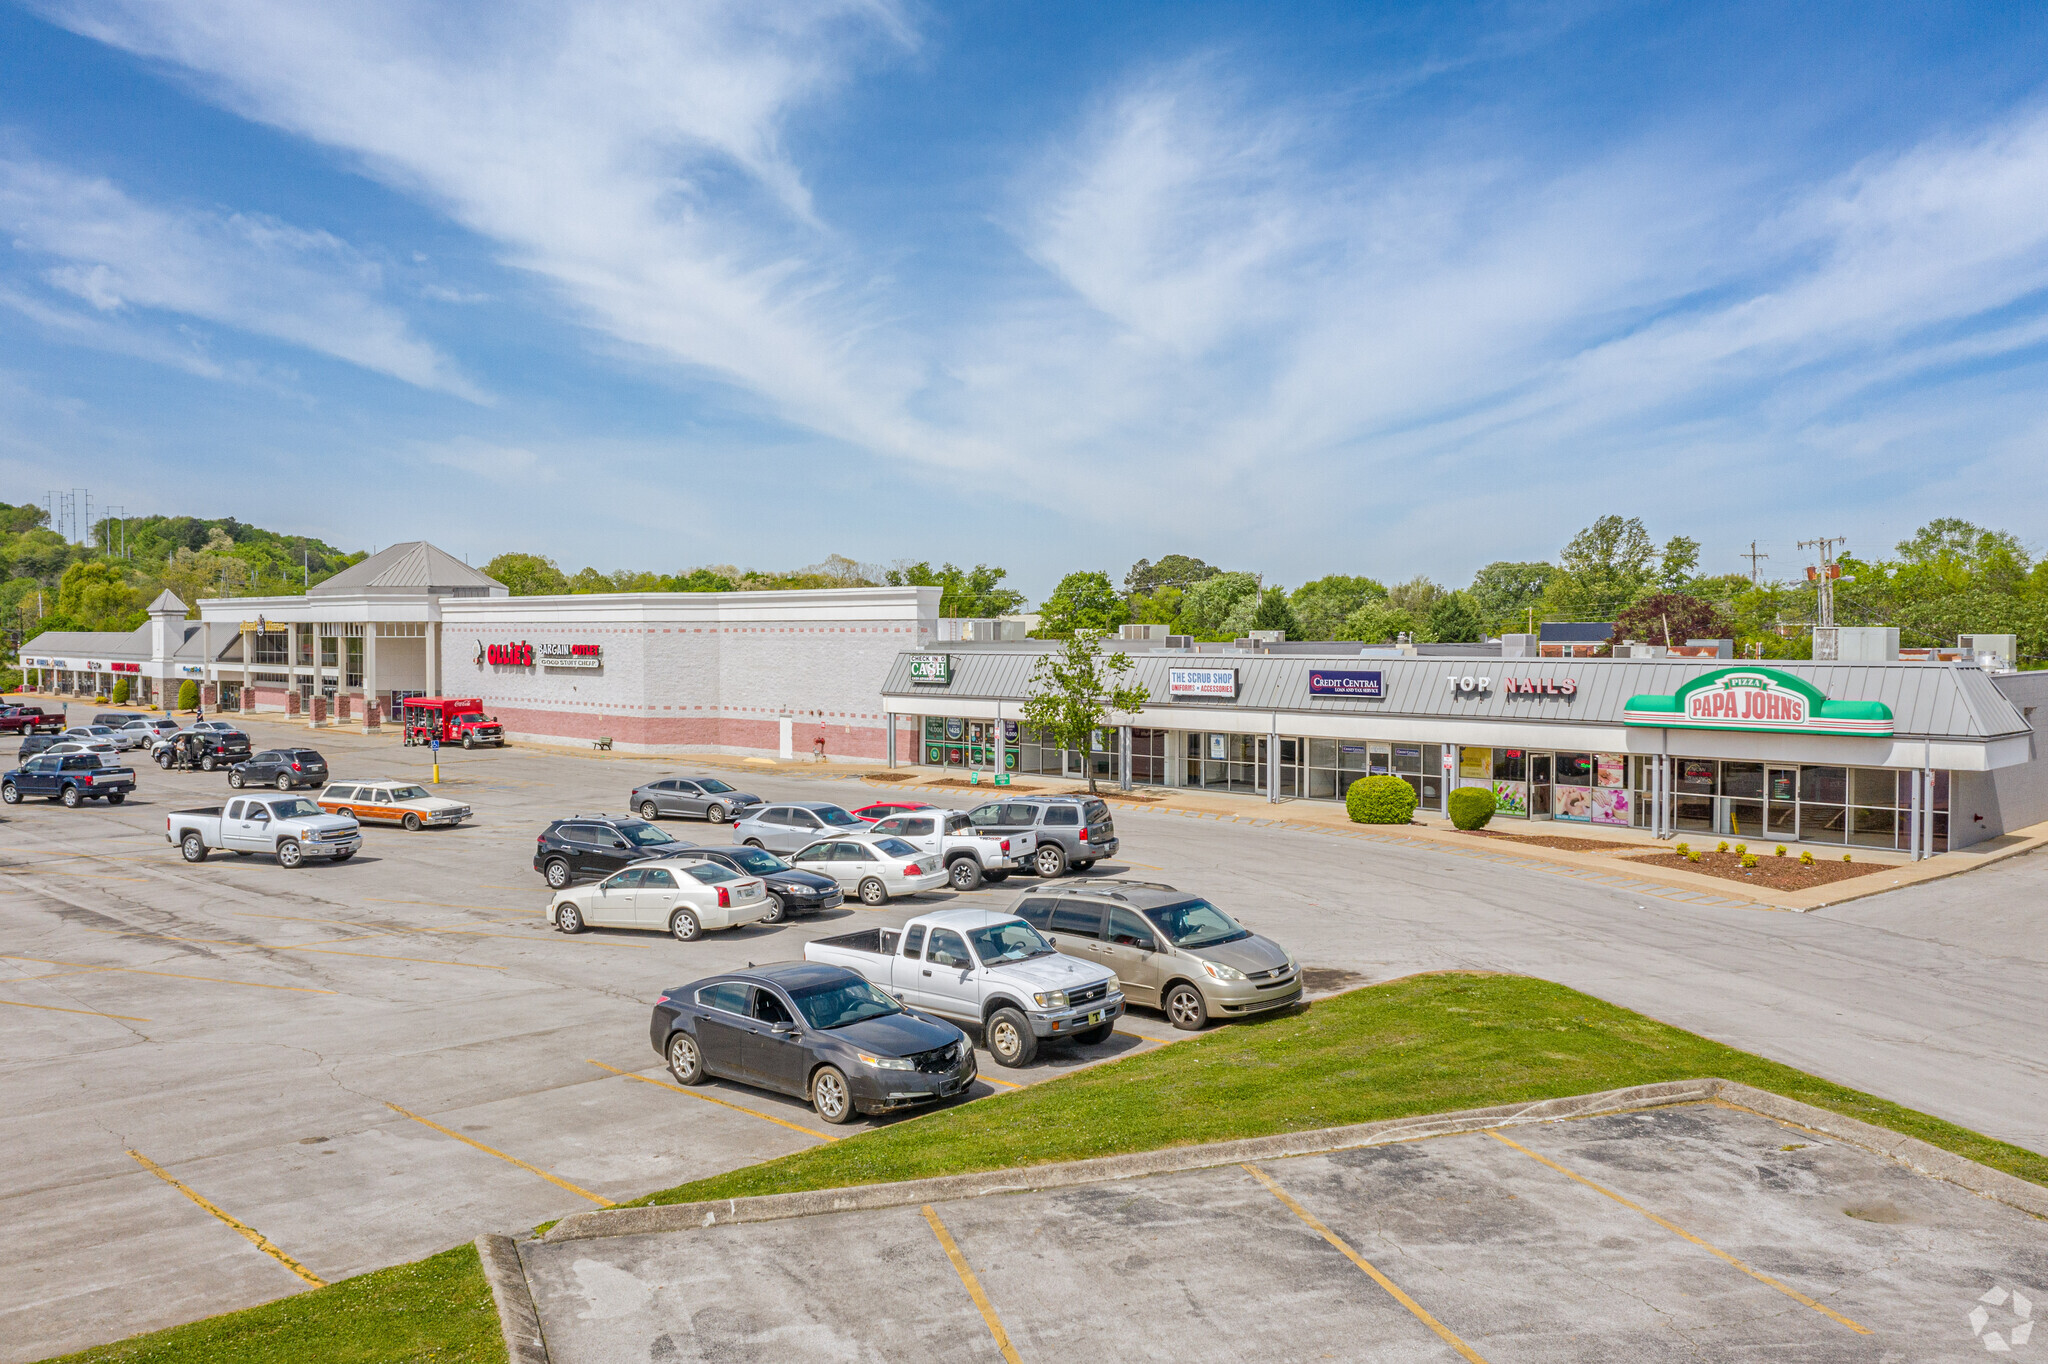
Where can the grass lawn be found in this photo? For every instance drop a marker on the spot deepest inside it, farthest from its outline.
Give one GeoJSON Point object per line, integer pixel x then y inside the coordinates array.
{"type": "Point", "coordinates": [432, 1311]}
{"type": "Point", "coordinates": [1425, 1044]}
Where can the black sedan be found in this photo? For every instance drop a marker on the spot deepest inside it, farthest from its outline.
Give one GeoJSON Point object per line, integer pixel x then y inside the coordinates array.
{"type": "Point", "coordinates": [791, 890]}
{"type": "Point", "coordinates": [819, 1032]}
{"type": "Point", "coordinates": [284, 768]}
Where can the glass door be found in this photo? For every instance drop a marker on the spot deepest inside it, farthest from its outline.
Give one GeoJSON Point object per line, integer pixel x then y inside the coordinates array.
{"type": "Point", "coordinates": [1259, 773]}
{"type": "Point", "coordinates": [1782, 810]}
{"type": "Point", "coordinates": [1290, 767]}
{"type": "Point", "coordinates": [1539, 785]}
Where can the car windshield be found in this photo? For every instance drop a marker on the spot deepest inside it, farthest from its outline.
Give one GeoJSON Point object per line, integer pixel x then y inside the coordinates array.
{"type": "Point", "coordinates": [713, 785]}
{"type": "Point", "coordinates": [895, 847]}
{"type": "Point", "coordinates": [758, 862]}
{"type": "Point", "coordinates": [298, 807]}
{"type": "Point", "coordinates": [1013, 940]}
{"type": "Point", "coordinates": [712, 873]}
{"type": "Point", "coordinates": [642, 835]}
{"type": "Point", "coordinates": [1196, 923]}
{"type": "Point", "coordinates": [408, 793]}
{"type": "Point", "coordinates": [834, 816]}
{"type": "Point", "coordinates": [843, 1002]}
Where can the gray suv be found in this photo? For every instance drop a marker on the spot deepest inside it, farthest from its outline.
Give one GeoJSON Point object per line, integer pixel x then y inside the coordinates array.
{"type": "Point", "coordinates": [1072, 830]}
{"type": "Point", "coordinates": [704, 796]}
{"type": "Point", "coordinates": [1172, 950]}
{"type": "Point", "coordinates": [794, 825]}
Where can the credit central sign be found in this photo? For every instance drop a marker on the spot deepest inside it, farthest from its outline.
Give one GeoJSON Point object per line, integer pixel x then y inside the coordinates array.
{"type": "Point", "coordinates": [1761, 699]}
{"type": "Point", "coordinates": [1357, 686]}
{"type": "Point", "coordinates": [1214, 684]}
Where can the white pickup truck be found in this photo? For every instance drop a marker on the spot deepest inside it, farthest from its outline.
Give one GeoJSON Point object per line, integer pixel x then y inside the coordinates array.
{"type": "Point", "coordinates": [984, 969]}
{"type": "Point", "coordinates": [970, 857]}
{"type": "Point", "coordinates": [291, 828]}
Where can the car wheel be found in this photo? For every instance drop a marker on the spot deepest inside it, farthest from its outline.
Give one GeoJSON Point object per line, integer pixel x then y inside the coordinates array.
{"type": "Point", "coordinates": [193, 848]}
{"type": "Point", "coordinates": [755, 843]}
{"type": "Point", "coordinates": [290, 854]}
{"type": "Point", "coordinates": [70, 798]}
{"type": "Point", "coordinates": [647, 811]}
{"type": "Point", "coordinates": [569, 919]}
{"type": "Point", "coordinates": [206, 763]}
{"type": "Point", "coordinates": [683, 924]}
{"type": "Point", "coordinates": [1051, 860]}
{"type": "Point", "coordinates": [235, 780]}
{"type": "Point", "coordinates": [284, 783]}
{"type": "Point", "coordinates": [1084, 864]}
{"type": "Point", "coordinates": [830, 1097]}
{"type": "Point", "coordinates": [10, 793]}
{"type": "Point", "coordinates": [965, 873]}
{"type": "Point", "coordinates": [1097, 1034]}
{"type": "Point", "coordinates": [715, 813]}
{"type": "Point", "coordinates": [777, 911]}
{"type": "Point", "coordinates": [685, 1062]}
{"type": "Point", "coordinates": [1010, 1040]}
{"type": "Point", "coordinates": [163, 760]}
{"type": "Point", "coordinates": [117, 797]}
{"type": "Point", "coordinates": [873, 893]}
{"type": "Point", "coordinates": [557, 872]}
{"type": "Point", "coordinates": [468, 742]}
{"type": "Point", "coordinates": [1185, 1008]}
{"type": "Point", "coordinates": [411, 822]}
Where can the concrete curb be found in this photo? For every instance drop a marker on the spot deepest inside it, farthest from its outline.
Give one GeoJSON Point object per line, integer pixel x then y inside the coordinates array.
{"type": "Point", "coordinates": [518, 1318]}
{"type": "Point", "coordinates": [1911, 1152]}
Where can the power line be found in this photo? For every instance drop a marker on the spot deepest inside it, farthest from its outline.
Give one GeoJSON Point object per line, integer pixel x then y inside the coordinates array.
{"type": "Point", "coordinates": [1753, 556]}
{"type": "Point", "coordinates": [1826, 639]}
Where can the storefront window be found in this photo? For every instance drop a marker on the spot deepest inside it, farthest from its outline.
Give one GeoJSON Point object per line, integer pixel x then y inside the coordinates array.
{"type": "Point", "coordinates": [1510, 764]}
{"type": "Point", "coordinates": [1745, 780]}
{"type": "Point", "coordinates": [1693, 776]}
{"type": "Point", "coordinates": [1824, 785]}
{"type": "Point", "coordinates": [1574, 769]}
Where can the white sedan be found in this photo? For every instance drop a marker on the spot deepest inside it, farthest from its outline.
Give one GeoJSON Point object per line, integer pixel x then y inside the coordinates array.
{"type": "Point", "coordinates": [680, 898]}
{"type": "Point", "coordinates": [873, 868]}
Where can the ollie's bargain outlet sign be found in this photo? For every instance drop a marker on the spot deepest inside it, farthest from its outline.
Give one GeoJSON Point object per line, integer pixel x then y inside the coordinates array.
{"type": "Point", "coordinates": [1758, 699]}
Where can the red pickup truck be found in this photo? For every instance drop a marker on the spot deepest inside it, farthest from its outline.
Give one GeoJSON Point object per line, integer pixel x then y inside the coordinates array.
{"type": "Point", "coordinates": [29, 720]}
{"type": "Point", "coordinates": [452, 720]}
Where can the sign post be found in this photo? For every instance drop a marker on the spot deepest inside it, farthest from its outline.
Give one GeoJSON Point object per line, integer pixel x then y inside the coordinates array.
{"type": "Point", "coordinates": [435, 745]}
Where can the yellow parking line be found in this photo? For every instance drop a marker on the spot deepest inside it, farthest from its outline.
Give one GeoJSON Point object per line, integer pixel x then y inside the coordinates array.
{"type": "Point", "coordinates": [973, 1285]}
{"type": "Point", "coordinates": [171, 975]}
{"type": "Point", "coordinates": [722, 1103]}
{"type": "Point", "coordinates": [1677, 1230]}
{"type": "Point", "coordinates": [1006, 1084]}
{"type": "Point", "coordinates": [255, 1237]}
{"type": "Point", "coordinates": [126, 1018]}
{"type": "Point", "coordinates": [1421, 1313]}
{"type": "Point", "coordinates": [559, 1183]}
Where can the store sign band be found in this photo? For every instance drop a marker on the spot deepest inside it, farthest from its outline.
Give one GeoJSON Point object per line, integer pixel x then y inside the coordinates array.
{"type": "Point", "coordinates": [1758, 699]}
{"type": "Point", "coordinates": [525, 655]}
{"type": "Point", "coordinates": [1212, 684]}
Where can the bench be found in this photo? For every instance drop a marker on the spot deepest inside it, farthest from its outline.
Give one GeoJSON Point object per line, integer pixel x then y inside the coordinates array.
{"type": "Point", "coordinates": [605, 744]}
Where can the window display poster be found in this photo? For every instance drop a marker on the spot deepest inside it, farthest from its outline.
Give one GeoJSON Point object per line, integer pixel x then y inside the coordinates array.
{"type": "Point", "coordinates": [934, 754]}
{"type": "Point", "coordinates": [1573, 802]}
{"type": "Point", "coordinates": [956, 728]}
{"type": "Point", "coordinates": [1216, 746]}
{"type": "Point", "coordinates": [956, 757]}
{"type": "Point", "coordinates": [1610, 769]}
{"type": "Point", "coordinates": [1475, 762]}
{"type": "Point", "coordinates": [1510, 797]}
{"type": "Point", "coordinates": [934, 729]}
{"type": "Point", "coordinates": [1611, 806]}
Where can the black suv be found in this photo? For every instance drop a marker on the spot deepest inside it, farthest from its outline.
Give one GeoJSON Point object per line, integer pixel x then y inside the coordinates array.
{"type": "Point", "coordinates": [791, 890]}
{"type": "Point", "coordinates": [284, 768]}
{"type": "Point", "coordinates": [1072, 830]}
{"type": "Point", "coordinates": [32, 744]}
{"type": "Point", "coordinates": [598, 845]}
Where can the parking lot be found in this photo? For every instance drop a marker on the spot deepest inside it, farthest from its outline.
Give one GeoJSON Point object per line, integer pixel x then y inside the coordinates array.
{"type": "Point", "coordinates": [1684, 1233]}
{"type": "Point", "coordinates": [219, 1082]}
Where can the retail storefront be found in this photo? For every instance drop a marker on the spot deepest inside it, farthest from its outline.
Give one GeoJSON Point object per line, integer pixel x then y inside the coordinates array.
{"type": "Point", "coordinates": [1855, 755]}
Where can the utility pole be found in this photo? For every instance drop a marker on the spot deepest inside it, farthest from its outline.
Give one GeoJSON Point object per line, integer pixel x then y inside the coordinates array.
{"type": "Point", "coordinates": [1753, 555]}
{"type": "Point", "coordinates": [1826, 640]}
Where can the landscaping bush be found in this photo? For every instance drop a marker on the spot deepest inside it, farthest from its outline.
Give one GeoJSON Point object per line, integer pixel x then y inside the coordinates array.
{"type": "Point", "coordinates": [1742, 849]}
{"type": "Point", "coordinates": [1806, 857]}
{"type": "Point", "coordinates": [1685, 850]}
{"type": "Point", "coordinates": [188, 696]}
{"type": "Point", "coordinates": [1722, 846]}
{"type": "Point", "coordinates": [1471, 807]}
{"type": "Point", "coordinates": [1692, 857]}
{"type": "Point", "coordinates": [1780, 852]}
{"type": "Point", "coordinates": [1382, 800]}
{"type": "Point", "coordinates": [121, 691]}
{"type": "Point", "coordinates": [1847, 858]}
{"type": "Point", "coordinates": [1748, 861]}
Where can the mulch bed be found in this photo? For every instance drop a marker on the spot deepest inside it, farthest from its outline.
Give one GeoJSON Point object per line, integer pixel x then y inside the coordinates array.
{"type": "Point", "coordinates": [985, 786]}
{"type": "Point", "coordinates": [888, 776]}
{"type": "Point", "coordinates": [1778, 873]}
{"type": "Point", "coordinates": [1562, 842]}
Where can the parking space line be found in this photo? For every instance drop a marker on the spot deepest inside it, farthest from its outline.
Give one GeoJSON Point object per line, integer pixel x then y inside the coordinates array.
{"type": "Point", "coordinates": [255, 1237]}
{"type": "Point", "coordinates": [1421, 1313]}
{"type": "Point", "coordinates": [713, 1099]}
{"type": "Point", "coordinates": [126, 1018]}
{"type": "Point", "coordinates": [1006, 1084]}
{"type": "Point", "coordinates": [303, 947]}
{"type": "Point", "coordinates": [555, 1180]}
{"type": "Point", "coordinates": [170, 975]}
{"type": "Point", "coordinates": [1679, 1231]}
{"type": "Point", "coordinates": [973, 1285]}
{"type": "Point", "coordinates": [389, 930]}
{"type": "Point", "coordinates": [379, 956]}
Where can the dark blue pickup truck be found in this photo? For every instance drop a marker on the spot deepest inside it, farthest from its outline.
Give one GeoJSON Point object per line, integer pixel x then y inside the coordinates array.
{"type": "Point", "coordinates": [69, 777]}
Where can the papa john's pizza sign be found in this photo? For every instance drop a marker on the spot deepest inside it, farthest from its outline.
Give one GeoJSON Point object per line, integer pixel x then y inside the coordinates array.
{"type": "Point", "coordinates": [1761, 699]}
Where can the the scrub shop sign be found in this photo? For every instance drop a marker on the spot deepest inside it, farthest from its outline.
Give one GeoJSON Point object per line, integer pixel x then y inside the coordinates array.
{"type": "Point", "coordinates": [1210, 684]}
{"type": "Point", "coordinates": [1357, 686]}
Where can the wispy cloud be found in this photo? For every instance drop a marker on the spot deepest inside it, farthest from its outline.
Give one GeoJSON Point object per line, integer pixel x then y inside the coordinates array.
{"type": "Point", "coordinates": [88, 239]}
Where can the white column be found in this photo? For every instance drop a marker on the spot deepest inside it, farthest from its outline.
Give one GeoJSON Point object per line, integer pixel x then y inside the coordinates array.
{"type": "Point", "coordinates": [1913, 818]}
{"type": "Point", "coordinates": [1273, 763]}
{"type": "Point", "coordinates": [1123, 734]}
{"type": "Point", "coordinates": [1927, 802]}
{"type": "Point", "coordinates": [889, 726]}
{"type": "Point", "coordinates": [433, 663]}
{"type": "Point", "coordinates": [369, 666]}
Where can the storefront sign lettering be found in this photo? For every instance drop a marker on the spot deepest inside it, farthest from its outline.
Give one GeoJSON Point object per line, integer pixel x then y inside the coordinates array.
{"type": "Point", "coordinates": [931, 670]}
{"type": "Point", "coordinates": [508, 655]}
{"type": "Point", "coordinates": [1539, 686]}
{"type": "Point", "coordinates": [1470, 685]}
{"type": "Point", "coordinates": [1216, 684]}
{"type": "Point", "coordinates": [1758, 699]}
{"type": "Point", "coordinates": [1358, 686]}
{"type": "Point", "coordinates": [572, 655]}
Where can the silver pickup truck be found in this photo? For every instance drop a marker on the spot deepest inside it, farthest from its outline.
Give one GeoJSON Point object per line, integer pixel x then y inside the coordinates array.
{"type": "Point", "coordinates": [988, 970]}
{"type": "Point", "coordinates": [291, 828]}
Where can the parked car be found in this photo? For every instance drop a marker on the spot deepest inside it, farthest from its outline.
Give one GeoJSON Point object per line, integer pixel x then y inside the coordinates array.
{"type": "Point", "coordinates": [597, 845]}
{"type": "Point", "coordinates": [115, 719]}
{"type": "Point", "coordinates": [875, 869]}
{"type": "Point", "coordinates": [72, 778]}
{"type": "Point", "coordinates": [291, 828]}
{"type": "Point", "coordinates": [398, 802]}
{"type": "Point", "coordinates": [1172, 950]}
{"type": "Point", "coordinates": [673, 896]}
{"type": "Point", "coordinates": [28, 720]}
{"type": "Point", "coordinates": [104, 734]}
{"type": "Point", "coordinates": [63, 746]}
{"type": "Point", "coordinates": [705, 796]}
{"type": "Point", "coordinates": [819, 1032]}
{"type": "Point", "coordinates": [285, 768]}
{"type": "Point", "coordinates": [32, 744]}
{"type": "Point", "coordinates": [990, 970]}
{"type": "Point", "coordinates": [206, 746]}
{"type": "Point", "coordinates": [791, 890]}
{"type": "Point", "coordinates": [882, 809]}
{"type": "Point", "coordinates": [150, 729]}
{"type": "Point", "coordinates": [1072, 831]}
{"type": "Point", "coordinates": [968, 855]}
{"type": "Point", "coordinates": [796, 824]}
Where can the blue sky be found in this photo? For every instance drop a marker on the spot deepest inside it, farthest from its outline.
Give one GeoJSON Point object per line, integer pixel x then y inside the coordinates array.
{"type": "Point", "coordinates": [1301, 289]}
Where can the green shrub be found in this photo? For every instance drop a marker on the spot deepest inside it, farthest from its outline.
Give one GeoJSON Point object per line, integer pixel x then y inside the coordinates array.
{"type": "Point", "coordinates": [1471, 807]}
{"type": "Point", "coordinates": [188, 696]}
{"type": "Point", "coordinates": [121, 691]}
{"type": "Point", "coordinates": [1780, 852]}
{"type": "Point", "coordinates": [1380, 800]}
{"type": "Point", "coordinates": [1742, 849]}
{"type": "Point", "coordinates": [1748, 860]}
{"type": "Point", "coordinates": [1846, 857]}
{"type": "Point", "coordinates": [1693, 857]}
{"type": "Point", "coordinates": [1685, 850]}
{"type": "Point", "coordinates": [1722, 846]}
{"type": "Point", "coordinates": [1806, 857]}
